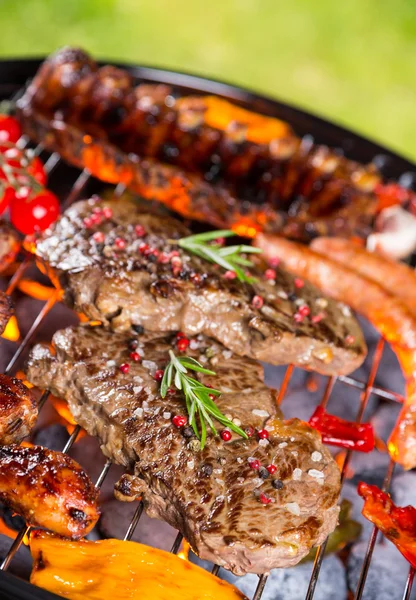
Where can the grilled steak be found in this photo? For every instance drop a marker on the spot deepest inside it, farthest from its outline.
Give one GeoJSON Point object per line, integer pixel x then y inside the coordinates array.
{"type": "Point", "coordinates": [9, 244]}
{"type": "Point", "coordinates": [231, 508]}
{"type": "Point", "coordinates": [6, 310]}
{"type": "Point", "coordinates": [121, 266]}
{"type": "Point", "coordinates": [205, 157]}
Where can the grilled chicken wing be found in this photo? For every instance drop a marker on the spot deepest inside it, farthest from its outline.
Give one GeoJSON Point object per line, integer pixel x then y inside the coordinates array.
{"type": "Point", "coordinates": [18, 410]}
{"type": "Point", "coordinates": [48, 489]}
{"type": "Point", "coordinates": [9, 244]}
{"type": "Point", "coordinates": [6, 310]}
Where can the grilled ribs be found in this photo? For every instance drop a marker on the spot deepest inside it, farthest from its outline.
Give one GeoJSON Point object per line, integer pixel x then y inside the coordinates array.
{"type": "Point", "coordinates": [123, 267]}
{"type": "Point", "coordinates": [203, 156]}
{"type": "Point", "coordinates": [232, 510]}
{"type": "Point", "coordinates": [18, 410]}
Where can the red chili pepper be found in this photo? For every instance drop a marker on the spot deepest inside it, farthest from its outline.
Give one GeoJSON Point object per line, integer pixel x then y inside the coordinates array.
{"type": "Point", "coordinates": [397, 523]}
{"type": "Point", "coordinates": [339, 432]}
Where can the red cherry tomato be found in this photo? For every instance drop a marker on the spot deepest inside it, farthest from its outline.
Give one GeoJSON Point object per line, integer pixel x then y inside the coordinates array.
{"type": "Point", "coordinates": [10, 130]}
{"type": "Point", "coordinates": [35, 213]}
{"type": "Point", "coordinates": [35, 169]}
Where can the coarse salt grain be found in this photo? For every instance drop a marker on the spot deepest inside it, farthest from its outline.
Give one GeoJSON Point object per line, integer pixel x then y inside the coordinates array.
{"type": "Point", "coordinates": [239, 459]}
{"type": "Point", "coordinates": [316, 456]}
{"type": "Point", "coordinates": [219, 498]}
{"type": "Point", "coordinates": [264, 443]}
{"type": "Point", "coordinates": [282, 295]}
{"type": "Point", "coordinates": [218, 471]}
{"type": "Point", "coordinates": [293, 507]}
{"type": "Point", "coordinates": [190, 464]}
{"type": "Point", "coordinates": [322, 302]}
{"type": "Point", "coordinates": [111, 363]}
{"type": "Point", "coordinates": [150, 365]}
{"type": "Point", "coordinates": [297, 474]}
{"type": "Point", "coordinates": [260, 413]}
{"type": "Point", "coordinates": [240, 480]}
{"type": "Point", "coordinates": [138, 412]}
{"type": "Point", "coordinates": [283, 445]}
{"type": "Point", "coordinates": [203, 359]}
{"type": "Point", "coordinates": [137, 389]}
{"type": "Point", "coordinates": [316, 474]}
{"type": "Point", "coordinates": [194, 344]}
{"type": "Point", "coordinates": [237, 422]}
{"type": "Point", "coordinates": [227, 354]}
{"type": "Point", "coordinates": [167, 415]}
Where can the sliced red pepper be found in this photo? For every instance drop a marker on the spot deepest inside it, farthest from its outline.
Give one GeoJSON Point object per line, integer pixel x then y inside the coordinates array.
{"type": "Point", "coordinates": [397, 523]}
{"type": "Point", "coordinates": [339, 432]}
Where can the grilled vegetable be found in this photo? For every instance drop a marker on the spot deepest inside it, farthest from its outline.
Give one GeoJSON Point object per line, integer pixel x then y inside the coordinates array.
{"type": "Point", "coordinates": [111, 569]}
{"type": "Point", "coordinates": [391, 315]}
{"type": "Point", "coordinates": [48, 489]}
{"type": "Point", "coordinates": [396, 523]}
{"type": "Point", "coordinates": [339, 432]}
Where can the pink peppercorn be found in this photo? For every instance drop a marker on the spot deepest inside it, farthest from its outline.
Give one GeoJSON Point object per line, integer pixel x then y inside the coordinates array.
{"type": "Point", "coordinates": [230, 275]}
{"type": "Point", "coordinates": [88, 222]}
{"type": "Point", "coordinates": [158, 376]}
{"type": "Point", "coordinates": [270, 274]}
{"type": "Point", "coordinates": [140, 230]}
{"type": "Point", "coordinates": [272, 469]}
{"type": "Point", "coordinates": [125, 368]}
{"type": "Point", "coordinates": [135, 356]}
{"type": "Point", "coordinates": [179, 421]}
{"type": "Point", "coordinates": [254, 464]}
{"type": "Point", "coordinates": [226, 435]}
{"type": "Point", "coordinates": [264, 499]}
{"type": "Point", "coordinates": [263, 434]}
{"type": "Point", "coordinates": [304, 310]}
{"type": "Point", "coordinates": [120, 243]}
{"type": "Point", "coordinates": [298, 318]}
{"type": "Point", "coordinates": [182, 344]}
{"type": "Point", "coordinates": [299, 283]}
{"type": "Point", "coordinates": [274, 261]}
{"type": "Point", "coordinates": [98, 237]}
{"type": "Point", "coordinates": [257, 301]}
{"type": "Point", "coordinates": [107, 212]}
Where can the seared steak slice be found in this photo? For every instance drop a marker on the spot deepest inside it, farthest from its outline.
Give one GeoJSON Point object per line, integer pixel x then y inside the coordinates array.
{"type": "Point", "coordinates": [6, 310]}
{"type": "Point", "coordinates": [230, 508]}
{"type": "Point", "coordinates": [122, 266]}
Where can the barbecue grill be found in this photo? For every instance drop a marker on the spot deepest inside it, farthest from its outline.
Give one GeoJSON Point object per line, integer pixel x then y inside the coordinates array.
{"type": "Point", "coordinates": [13, 77]}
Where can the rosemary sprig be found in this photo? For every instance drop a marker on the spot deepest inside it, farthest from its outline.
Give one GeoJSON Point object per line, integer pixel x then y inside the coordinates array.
{"type": "Point", "coordinates": [228, 257]}
{"type": "Point", "coordinates": [198, 402]}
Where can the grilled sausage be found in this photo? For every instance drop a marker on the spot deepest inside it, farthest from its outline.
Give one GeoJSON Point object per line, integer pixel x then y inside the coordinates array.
{"type": "Point", "coordinates": [48, 489]}
{"type": "Point", "coordinates": [397, 278]}
{"type": "Point", "coordinates": [18, 410]}
{"type": "Point", "coordinates": [205, 157]}
{"type": "Point", "coordinates": [389, 314]}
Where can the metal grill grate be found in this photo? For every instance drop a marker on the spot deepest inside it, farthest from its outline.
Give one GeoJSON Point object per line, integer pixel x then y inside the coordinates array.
{"type": "Point", "coordinates": [364, 390]}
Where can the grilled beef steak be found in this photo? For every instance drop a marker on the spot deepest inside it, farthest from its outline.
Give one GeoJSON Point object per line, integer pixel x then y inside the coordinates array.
{"type": "Point", "coordinates": [121, 266]}
{"type": "Point", "coordinates": [249, 505]}
{"type": "Point", "coordinates": [205, 157]}
{"type": "Point", "coordinates": [6, 310]}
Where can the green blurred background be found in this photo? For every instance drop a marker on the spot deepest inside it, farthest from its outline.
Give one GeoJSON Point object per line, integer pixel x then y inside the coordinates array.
{"type": "Point", "coordinates": [353, 61]}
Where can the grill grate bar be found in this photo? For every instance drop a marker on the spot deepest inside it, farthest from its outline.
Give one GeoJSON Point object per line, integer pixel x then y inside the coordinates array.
{"type": "Point", "coordinates": [378, 391]}
{"type": "Point", "coordinates": [215, 569]}
{"type": "Point", "coordinates": [363, 404]}
{"type": "Point", "coordinates": [36, 323]}
{"type": "Point", "coordinates": [177, 543]}
{"type": "Point", "coordinates": [52, 163]}
{"type": "Point", "coordinates": [134, 522]}
{"type": "Point", "coordinates": [77, 188]}
{"type": "Point", "coordinates": [372, 540]}
{"type": "Point", "coordinates": [18, 275]}
{"type": "Point", "coordinates": [103, 474]}
{"type": "Point", "coordinates": [409, 584]}
{"type": "Point", "coordinates": [260, 587]}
